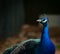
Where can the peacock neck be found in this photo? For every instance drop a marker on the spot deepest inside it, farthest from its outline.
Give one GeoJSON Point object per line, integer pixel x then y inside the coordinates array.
{"type": "Point", "coordinates": [45, 34]}
{"type": "Point", "coordinates": [45, 46]}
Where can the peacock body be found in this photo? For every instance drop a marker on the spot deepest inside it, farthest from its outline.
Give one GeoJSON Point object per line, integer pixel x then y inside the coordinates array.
{"type": "Point", "coordinates": [44, 45]}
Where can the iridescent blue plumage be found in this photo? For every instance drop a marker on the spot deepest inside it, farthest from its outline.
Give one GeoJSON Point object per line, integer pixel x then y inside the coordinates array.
{"type": "Point", "coordinates": [44, 45]}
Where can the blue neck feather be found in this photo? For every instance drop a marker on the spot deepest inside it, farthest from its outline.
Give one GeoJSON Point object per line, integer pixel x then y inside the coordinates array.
{"type": "Point", "coordinates": [45, 46]}
{"type": "Point", "coordinates": [45, 34]}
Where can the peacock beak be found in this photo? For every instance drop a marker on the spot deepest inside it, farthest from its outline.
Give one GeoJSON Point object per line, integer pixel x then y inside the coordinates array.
{"type": "Point", "coordinates": [38, 20]}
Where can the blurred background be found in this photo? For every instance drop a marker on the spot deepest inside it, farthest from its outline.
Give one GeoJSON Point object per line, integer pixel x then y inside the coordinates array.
{"type": "Point", "coordinates": [18, 21]}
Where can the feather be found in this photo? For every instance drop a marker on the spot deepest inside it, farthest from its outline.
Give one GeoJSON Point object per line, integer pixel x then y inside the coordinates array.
{"type": "Point", "coordinates": [23, 46]}
{"type": "Point", "coordinates": [44, 45]}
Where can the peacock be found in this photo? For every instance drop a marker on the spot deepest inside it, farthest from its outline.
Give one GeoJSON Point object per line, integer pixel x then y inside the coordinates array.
{"type": "Point", "coordinates": [43, 45]}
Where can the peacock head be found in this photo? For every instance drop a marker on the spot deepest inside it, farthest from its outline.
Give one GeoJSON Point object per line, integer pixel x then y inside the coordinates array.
{"type": "Point", "coordinates": [43, 20]}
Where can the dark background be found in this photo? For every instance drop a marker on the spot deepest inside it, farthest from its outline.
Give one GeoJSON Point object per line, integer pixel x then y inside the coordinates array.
{"type": "Point", "coordinates": [18, 21]}
{"type": "Point", "coordinates": [15, 13]}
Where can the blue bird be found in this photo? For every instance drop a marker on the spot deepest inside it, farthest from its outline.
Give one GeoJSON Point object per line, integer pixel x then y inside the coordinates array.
{"type": "Point", "coordinates": [46, 46]}
{"type": "Point", "coordinates": [43, 45]}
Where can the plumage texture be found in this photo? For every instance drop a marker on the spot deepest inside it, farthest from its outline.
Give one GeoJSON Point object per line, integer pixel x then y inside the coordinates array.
{"type": "Point", "coordinates": [46, 46]}
{"type": "Point", "coordinates": [35, 46]}
{"type": "Point", "coordinates": [25, 47]}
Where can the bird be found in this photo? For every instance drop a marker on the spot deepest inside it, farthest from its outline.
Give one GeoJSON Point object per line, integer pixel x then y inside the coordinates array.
{"type": "Point", "coordinates": [43, 45]}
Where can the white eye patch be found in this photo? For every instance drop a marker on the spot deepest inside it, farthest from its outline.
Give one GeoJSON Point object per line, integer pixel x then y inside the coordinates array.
{"type": "Point", "coordinates": [44, 21]}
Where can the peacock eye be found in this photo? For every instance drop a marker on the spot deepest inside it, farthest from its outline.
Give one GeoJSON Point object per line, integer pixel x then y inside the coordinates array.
{"type": "Point", "coordinates": [44, 21]}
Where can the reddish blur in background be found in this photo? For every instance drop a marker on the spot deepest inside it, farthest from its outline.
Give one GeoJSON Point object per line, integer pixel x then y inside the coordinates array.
{"type": "Point", "coordinates": [18, 21]}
